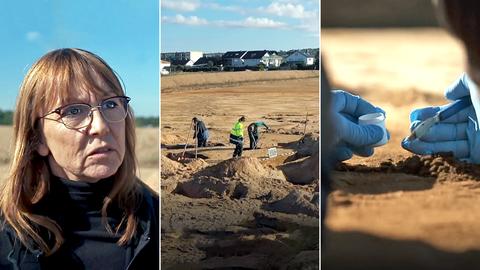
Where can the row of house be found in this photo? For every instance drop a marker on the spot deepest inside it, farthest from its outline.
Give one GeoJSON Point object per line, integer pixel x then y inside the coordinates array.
{"type": "Point", "coordinates": [235, 59]}
{"type": "Point", "coordinates": [251, 59]}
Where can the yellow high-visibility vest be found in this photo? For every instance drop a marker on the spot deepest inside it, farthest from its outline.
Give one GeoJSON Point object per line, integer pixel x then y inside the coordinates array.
{"type": "Point", "coordinates": [237, 129]}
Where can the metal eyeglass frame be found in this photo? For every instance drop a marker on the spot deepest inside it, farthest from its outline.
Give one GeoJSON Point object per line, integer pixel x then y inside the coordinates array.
{"type": "Point", "coordinates": [90, 114]}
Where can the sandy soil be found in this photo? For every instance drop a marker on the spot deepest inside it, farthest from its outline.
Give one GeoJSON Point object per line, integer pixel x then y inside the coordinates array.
{"type": "Point", "coordinates": [382, 215]}
{"type": "Point", "coordinates": [247, 213]}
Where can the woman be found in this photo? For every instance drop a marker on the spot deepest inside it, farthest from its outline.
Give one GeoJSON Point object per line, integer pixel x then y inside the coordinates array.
{"type": "Point", "coordinates": [71, 200]}
{"type": "Point", "coordinates": [236, 137]}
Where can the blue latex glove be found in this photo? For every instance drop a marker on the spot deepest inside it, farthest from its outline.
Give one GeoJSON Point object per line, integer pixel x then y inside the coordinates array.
{"type": "Point", "coordinates": [458, 134]}
{"type": "Point", "coordinates": [352, 138]}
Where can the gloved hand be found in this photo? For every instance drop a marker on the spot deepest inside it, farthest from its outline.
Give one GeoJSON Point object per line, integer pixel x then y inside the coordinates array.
{"type": "Point", "coordinates": [458, 134]}
{"type": "Point", "coordinates": [352, 138]}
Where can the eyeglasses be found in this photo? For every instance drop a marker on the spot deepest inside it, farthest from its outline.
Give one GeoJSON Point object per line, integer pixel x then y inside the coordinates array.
{"type": "Point", "coordinates": [79, 115]}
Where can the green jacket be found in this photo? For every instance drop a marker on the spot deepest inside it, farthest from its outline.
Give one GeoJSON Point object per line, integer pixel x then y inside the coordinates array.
{"type": "Point", "coordinates": [237, 129]}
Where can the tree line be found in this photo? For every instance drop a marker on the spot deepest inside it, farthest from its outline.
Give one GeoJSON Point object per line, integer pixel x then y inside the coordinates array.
{"type": "Point", "coordinates": [6, 118]}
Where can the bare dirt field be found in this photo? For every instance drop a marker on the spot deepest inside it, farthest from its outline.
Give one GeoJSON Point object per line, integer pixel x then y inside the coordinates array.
{"type": "Point", "coordinates": [394, 210]}
{"type": "Point", "coordinates": [246, 213]}
{"type": "Point", "coordinates": [146, 149]}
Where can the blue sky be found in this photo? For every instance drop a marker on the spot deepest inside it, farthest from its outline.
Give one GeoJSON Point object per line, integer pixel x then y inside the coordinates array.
{"type": "Point", "coordinates": [219, 26]}
{"type": "Point", "coordinates": [123, 32]}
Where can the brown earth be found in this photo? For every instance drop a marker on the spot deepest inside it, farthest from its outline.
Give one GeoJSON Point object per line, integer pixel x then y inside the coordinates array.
{"type": "Point", "coordinates": [224, 213]}
{"type": "Point", "coordinates": [201, 80]}
{"type": "Point", "coordinates": [395, 210]}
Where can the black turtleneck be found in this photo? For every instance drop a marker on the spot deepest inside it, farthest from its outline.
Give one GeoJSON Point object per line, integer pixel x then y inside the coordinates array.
{"type": "Point", "coordinates": [76, 207]}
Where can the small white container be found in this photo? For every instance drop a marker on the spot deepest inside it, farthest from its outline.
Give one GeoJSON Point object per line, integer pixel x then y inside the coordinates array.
{"type": "Point", "coordinates": [377, 119]}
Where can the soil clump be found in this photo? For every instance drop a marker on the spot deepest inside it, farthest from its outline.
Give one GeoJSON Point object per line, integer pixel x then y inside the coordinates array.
{"type": "Point", "coordinates": [442, 166]}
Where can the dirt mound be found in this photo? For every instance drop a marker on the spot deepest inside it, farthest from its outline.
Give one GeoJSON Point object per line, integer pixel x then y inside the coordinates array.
{"type": "Point", "coordinates": [210, 187]}
{"type": "Point", "coordinates": [171, 139]}
{"type": "Point", "coordinates": [235, 178]}
{"type": "Point", "coordinates": [305, 146]}
{"type": "Point", "coordinates": [206, 187]}
{"type": "Point", "coordinates": [246, 167]}
{"type": "Point", "coordinates": [442, 166]}
{"type": "Point", "coordinates": [310, 139]}
{"type": "Point", "coordinates": [289, 131]}
{"type": "Point", "coordinates": [169, 167]}
{"type": "Point", "coordinates": [195, 164]}
{"type": "Point", "coordinates": [309, 144]}
{"type": "Point", "coordinates": [303, 171]}
{"type": "Point", "coordinates": [296, 202]}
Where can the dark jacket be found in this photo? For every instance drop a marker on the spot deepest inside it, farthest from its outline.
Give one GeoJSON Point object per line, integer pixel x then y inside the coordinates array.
{"type": "Point", "coordinates": [200, 130]}
{"type": "Point", "coordinates": [15, 256]}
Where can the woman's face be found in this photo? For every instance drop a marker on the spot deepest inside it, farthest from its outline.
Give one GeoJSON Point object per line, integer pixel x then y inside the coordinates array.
{"type": "Point", "coordinates": [88, 154]}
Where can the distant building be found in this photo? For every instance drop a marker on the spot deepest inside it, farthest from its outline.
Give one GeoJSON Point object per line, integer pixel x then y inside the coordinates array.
{"type": "Point", "coordinates": [164, 65]}
{"type": "Point", "coordinates": [233, 59]}
{"type": "Point", "coordinates": [182, 62]}
{"type": "Point", "coordinates": [206, 61]}
{"type": "Point", "coordinates": [298, 57]}
{"type": "Point", "coordinates": [274, 60]}
{"type": "Point", "coordinates": [251, 58]}
{"type": "Point", "coordinates": [213, 55]}
{"type": "Point", "coordinates": [254, 58]}
{"type": "Point", "coordinates": [201, 62]}
{"type": "Point", "coordinates": [176, 56]}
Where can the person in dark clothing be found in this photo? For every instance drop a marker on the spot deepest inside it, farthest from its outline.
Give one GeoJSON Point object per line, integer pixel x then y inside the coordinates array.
{"type": "Point", "coordinates": [73, 205]}
{"type": "Point", "coordinates": [254, 134]}
{"type": "Point", "coordinates": [200, 132]}
{"type": "Point", "coordinates": [72, 199]}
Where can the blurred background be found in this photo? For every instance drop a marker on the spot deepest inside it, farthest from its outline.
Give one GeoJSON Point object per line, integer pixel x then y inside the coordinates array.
{"type": "Point", "coordinates": [393, 44]}
{"type": "Point", "coordinates": [377, 13]}
{"type": "Point", "coordinates": [394, 54]}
